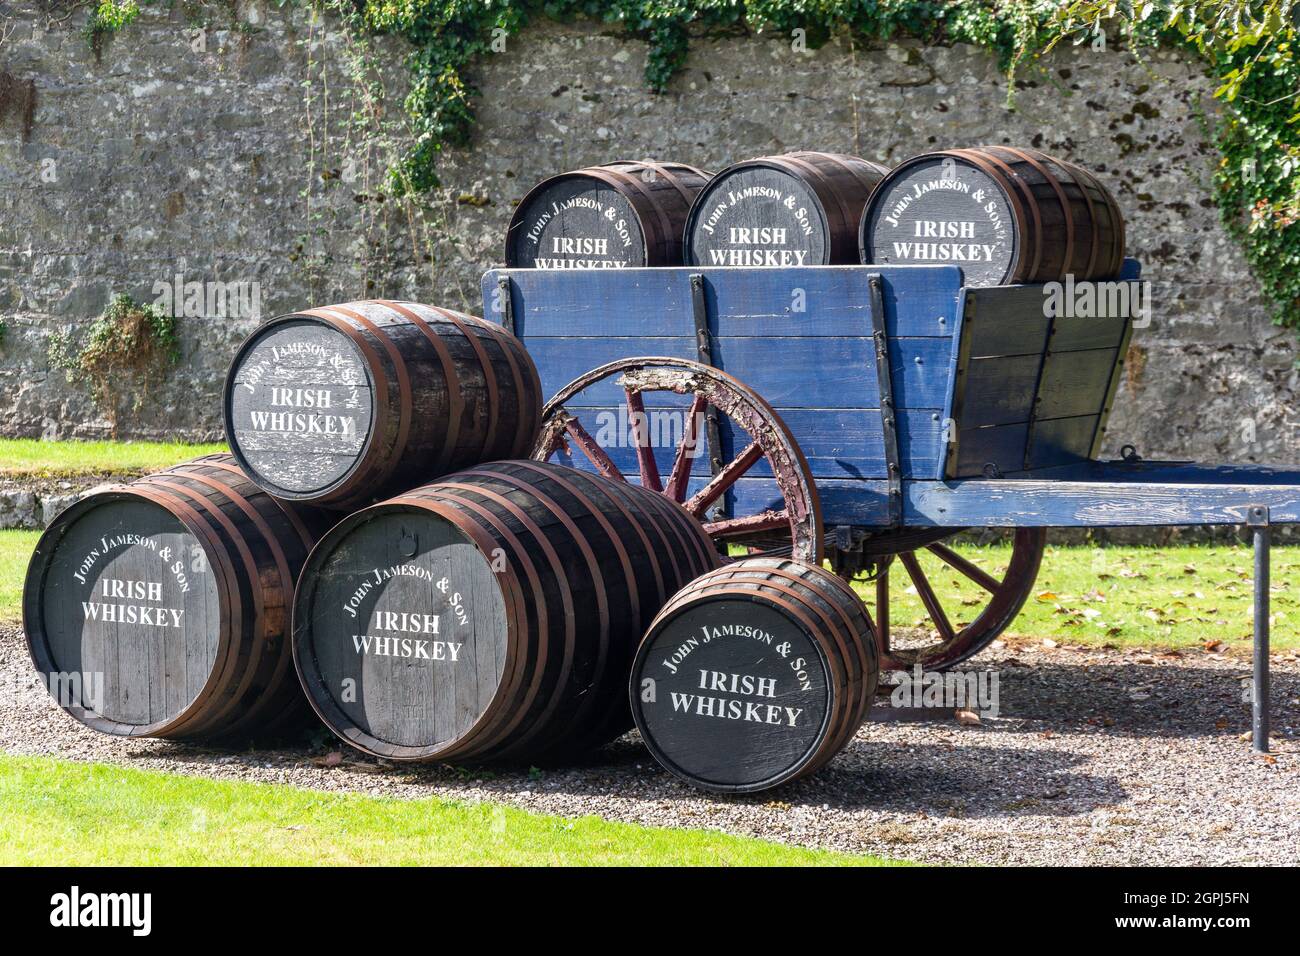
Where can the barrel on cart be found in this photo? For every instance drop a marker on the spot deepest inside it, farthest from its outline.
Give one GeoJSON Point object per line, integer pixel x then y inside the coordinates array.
{"type": "Point", "coordinates": [1005, 215]}
{"type": "Point", "coordinates": [796, 209]}
{"type": "Point", "coordinates": [616, 216]}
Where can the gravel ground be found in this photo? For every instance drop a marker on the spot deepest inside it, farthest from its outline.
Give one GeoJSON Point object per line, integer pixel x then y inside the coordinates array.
{"type": "Point", "coordinates": [1096, 757]}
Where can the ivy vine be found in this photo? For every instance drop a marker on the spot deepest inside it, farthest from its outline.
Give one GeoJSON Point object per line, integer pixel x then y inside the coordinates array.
{"type": "Point", "coordinates": [117, 355]}
{"type": "Point", "coordinates": [106, 18]}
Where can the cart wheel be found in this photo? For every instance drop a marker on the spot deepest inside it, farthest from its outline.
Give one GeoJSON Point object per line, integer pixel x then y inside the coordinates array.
{"type": "Point", "coordinates": [793, 529]}
{"type": "Point", "coordinates": [943, 644]}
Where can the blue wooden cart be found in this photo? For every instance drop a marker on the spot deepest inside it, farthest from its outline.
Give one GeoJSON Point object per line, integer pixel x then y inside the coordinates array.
{"type": "Point", "coordinates": [759, 399]}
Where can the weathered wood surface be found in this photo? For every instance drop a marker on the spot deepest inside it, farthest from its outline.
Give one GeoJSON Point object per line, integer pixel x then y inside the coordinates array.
{"type": "Point", "coordinates": [754, 674]}
{"type": "Point", "coordinates": [169, 599]}
{"type": "Point", "coordinates": [617, 216]}
{"type": "Point", "coordinates": [800, 338]}
{"type": "Point", "coordinates": [1005, 215]}
{"type": "Point", "coordinates": [798, 209]}
{"type": "Point", "coordinates": [1034, 382]}
{"type": "Point", "coordinates": [345, 404]}
{"type": "Point", "coordinates": [489, 616]}
{"type": "Point", "coordinates": [1090, 494]}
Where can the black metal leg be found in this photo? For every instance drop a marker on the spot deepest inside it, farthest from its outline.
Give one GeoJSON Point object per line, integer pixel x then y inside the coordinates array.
{"type": "Point", "coordinates": [1259, 691]}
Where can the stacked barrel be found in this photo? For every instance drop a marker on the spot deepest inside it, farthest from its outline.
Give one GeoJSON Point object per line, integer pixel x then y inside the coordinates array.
{"type": "Point", "coordinates": [377, 549]}
{"type": "Point", "coordinates": [1004, 215]}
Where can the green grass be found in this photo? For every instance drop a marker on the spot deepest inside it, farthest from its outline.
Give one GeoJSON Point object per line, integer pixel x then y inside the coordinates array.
{"type": "Point", "coordinates": [33, 458]}
{"type": "Point", "coordinates": [16, 549]}
{"type": "Point", "coordinates": [1125, 596]}
{"type": "Point", "coordinates": [60, 813]}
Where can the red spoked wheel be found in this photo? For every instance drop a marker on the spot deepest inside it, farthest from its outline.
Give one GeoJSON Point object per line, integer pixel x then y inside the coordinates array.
{"type": "Point", "coordinates": [966, 602]}
{"type": "Point", "coordinates": [791, 525]}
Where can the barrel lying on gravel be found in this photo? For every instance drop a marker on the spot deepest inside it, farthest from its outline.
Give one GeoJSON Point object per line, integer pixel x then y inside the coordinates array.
{"type": "Point", "coordinates": [754, 674]}
{"type": "Point", "coordinates": [347, 404]}
{"type": "Point", "coordinates": [798, 209]}
{"type": "Point", "coordinates": [617, 216]}
{"type": "Point", "coordinates": [1005, 215]}
{"type": "Point", "coordinates": [161, 608]}
{"type": "Point", "coordinates": [491, 615]}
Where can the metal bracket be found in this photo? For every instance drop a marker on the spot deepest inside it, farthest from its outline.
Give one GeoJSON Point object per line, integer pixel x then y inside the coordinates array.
{"type": "Point", "coordinates": [704, 354]}
{"type": "Point", "coordinates": [506, 298]}
{"type": "Point", "coordinates": [1257, 519]}
{"type": "Point", "coordinates": [888, 415]}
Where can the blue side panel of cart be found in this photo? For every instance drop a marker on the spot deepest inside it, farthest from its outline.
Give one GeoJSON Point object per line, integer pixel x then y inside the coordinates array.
{"type": "Point", "coordinates": [991, 381]}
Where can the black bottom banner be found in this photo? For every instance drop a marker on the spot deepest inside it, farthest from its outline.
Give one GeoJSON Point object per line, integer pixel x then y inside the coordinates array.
{"type": "Point", "coordinates": [339, 905]}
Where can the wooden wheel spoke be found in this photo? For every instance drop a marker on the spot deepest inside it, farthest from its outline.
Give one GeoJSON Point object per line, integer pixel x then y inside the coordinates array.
{"type": "Point", "coordinates": [927, 595]}
{"type": "Point", "coordinates": [724, 479]}
{"type": "Point", "coordinates": [589, 447]}
{"type": "Point", "coordinates": [981, 577]}
{"type": "Point", "coordinates": [738, 527]}
{"type": "Point", "coordinates": [680, 476]}
{"type": "Point", "coordinates": [645, 455]}
{"type": "Point", "coordinates": [708, 393]}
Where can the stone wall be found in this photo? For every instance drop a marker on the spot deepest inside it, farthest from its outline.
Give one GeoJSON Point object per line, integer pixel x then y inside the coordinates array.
{"type": "Point", "coordinates": [205, 155]}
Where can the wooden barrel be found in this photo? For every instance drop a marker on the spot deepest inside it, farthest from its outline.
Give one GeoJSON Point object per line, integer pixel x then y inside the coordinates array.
{"type": "Point", "coordinates": [1006, 216]}
{"type": "Point", "coordinates": [161, 608]}
{"type": "Point", "coordinates": [492, 615]}
{"type": "Point", "coordinates": [799, 209]}
{"type": "Point", "coordinates": [617, 216]}
{"type": "Point", "coordinates": [347, 404]}
{"type": "Point", "coordinates": [754, 674]}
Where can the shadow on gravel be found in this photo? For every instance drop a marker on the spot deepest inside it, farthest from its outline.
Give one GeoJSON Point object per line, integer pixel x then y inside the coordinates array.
{"type": "Point", "coordinates": [1135, 700]}
{"type": "Point", "coordinates": [957, 781]}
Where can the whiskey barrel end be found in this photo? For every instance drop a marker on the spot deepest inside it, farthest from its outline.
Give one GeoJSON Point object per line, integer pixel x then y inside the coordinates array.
{"type": "Point", "coordinates": [753, 675]}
